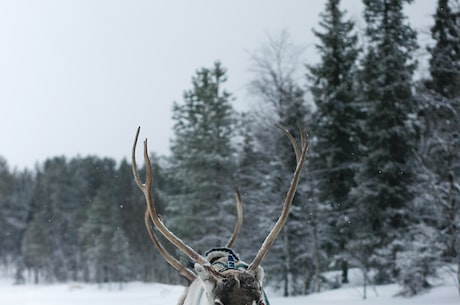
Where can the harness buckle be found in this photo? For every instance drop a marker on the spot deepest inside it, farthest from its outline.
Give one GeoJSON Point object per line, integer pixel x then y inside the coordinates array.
{"type": "Point", "coordinates": [231, 262]}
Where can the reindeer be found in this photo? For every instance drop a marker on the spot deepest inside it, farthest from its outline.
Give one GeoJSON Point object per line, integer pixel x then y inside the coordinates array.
{"type": "Point", "coordinates": [219, 277]}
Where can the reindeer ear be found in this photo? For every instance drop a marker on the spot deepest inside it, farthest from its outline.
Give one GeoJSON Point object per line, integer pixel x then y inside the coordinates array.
{"type": "Point", "coordinates": [205, 273]}
{"type": "Point", "coordinates": [208, 280]}
{"type": "Point", "coordinates": [198, 268]}
{"type": "Point", "coordinates": [258, 273]}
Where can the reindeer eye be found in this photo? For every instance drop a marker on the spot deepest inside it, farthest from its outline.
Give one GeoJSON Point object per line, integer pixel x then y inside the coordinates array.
{"type": "Point", "coordinates": [218, 302]}
{"type": "Point", "coordinates": [228, 283]}
{"type": "Point", "coordinates": [249, 283]}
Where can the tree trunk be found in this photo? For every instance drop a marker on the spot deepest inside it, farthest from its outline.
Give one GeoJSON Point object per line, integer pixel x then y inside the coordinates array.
{"type": "Point", "coordinates": [458, 275]}
{"type": "Point", "coordinates": [344, 266]}
{"type": "Point", "coordinates": [453, 226]}
{"type": "Point", "coordinates": [365, 285]}
{"type": "Point", "coordinates": [316, 252]}
{"type": "Point", "coordinates": [36, 277]}
{"type": "Point", "coordinates": [289, 278]}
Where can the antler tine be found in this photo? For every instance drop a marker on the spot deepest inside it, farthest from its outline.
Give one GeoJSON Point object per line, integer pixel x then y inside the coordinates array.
{"type": "Point", "coordinates": [304, 140]}
{"type": "Point", "coordinates": [137, 178]}
{"type": "Point", "coordinates": [239, 213]}
{"type": "Point", "coordinates": [146, 190]}
{"type": "Point", "coordinates": [293, 141]}
{"type": "Point", "coordinates": [166, 255]}
{"type": "Point", "coordinates": [270, 239]}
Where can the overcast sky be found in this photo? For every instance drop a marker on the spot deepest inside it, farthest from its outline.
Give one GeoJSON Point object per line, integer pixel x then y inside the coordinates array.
{"type": "Point", "coordinates": [78, 77]}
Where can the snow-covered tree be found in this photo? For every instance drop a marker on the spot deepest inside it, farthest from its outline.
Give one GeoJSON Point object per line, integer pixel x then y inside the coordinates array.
{"type": "Point", "coordinates": [35, 246]}
{"type": "Point", "coordinates": [203, 164]}
{"type": "Point", "coordinates": [15, 192]}
{"type": "Point", "coordinates": [120, 252]}
{"type": "Point", "coordinates": [439, 150]}
{"type": "Point", "coordinates": [389, 130]}
{"type": "Point", "coordinates": [333, 85]}
{"type": "Point", "coordinates": [418, 259]}
{"type": "Point", "coordinates": [445, 54]}
{"type": "Point", "coordinates": [96, 234]}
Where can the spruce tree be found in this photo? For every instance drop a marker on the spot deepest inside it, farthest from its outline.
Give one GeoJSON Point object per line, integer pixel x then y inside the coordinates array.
{"type": "Point", "coordinates": [439, 152]}
{"type": "Point", "coordinates": [15, 192]}
{"type": "Point", "coordinates": [445, 54]}
{"type": "Point", "coordinates": [202, 166]}
{"type": "Point", "coordinates": [96, 235]}
{"type": "Point", "coordinates": [389, 133]}
{"type": "Point", "coordinates": [120, 252]}
{"type": "Point", "coordinates": [35, 246]}
{"type": "Point", "coordinates": [52, 198]}
{"type": "Point", "coordinates": [6, 184]}
{"type": "Point", "coordinates": [333, 85]}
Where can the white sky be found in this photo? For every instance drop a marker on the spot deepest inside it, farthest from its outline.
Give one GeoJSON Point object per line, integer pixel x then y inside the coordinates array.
{"type": "Point", "coordinates": [78, 77]}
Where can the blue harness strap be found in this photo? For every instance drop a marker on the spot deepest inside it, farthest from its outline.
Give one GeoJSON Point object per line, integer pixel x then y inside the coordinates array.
{"type": "Point", "coordinates": [230, 262]}
{"type": "Point", "coordinates": [226, 258]}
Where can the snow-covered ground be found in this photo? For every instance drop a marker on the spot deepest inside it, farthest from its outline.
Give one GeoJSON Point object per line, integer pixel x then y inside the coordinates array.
{"type": "Point", "coordinates": [159, 294]}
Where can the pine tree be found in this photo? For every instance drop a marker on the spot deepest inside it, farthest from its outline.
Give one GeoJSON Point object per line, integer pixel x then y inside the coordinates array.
{"type": "Point", "coordinates": [35, 246]}
{"type": "Point", "coordinates": [61, 192]}
{"type": "Point", "coordinates": [120, 251]}
{"type": "Point", "coordinates": [445, 54]}
{"type": "Point", "coordinates": [15, 192]}
{"type": "Point", "coordinates": [203, 163]}
{"type": "Point", "coordinates": [389, 130]}
{"type": "Point", "coordinates": [440, 149]}
{"type": "Point", "coordinates": [333, 87]}
{"type": "Point", "coordinates": [96, 235]}
{"type": "Point", "coordinates": [6, 183]}
{"type": "Point", "coordinates": [51, 193]}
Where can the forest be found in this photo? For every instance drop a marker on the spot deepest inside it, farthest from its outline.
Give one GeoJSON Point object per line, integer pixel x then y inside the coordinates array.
{"type": "Point", "coordinates": [380, 190]}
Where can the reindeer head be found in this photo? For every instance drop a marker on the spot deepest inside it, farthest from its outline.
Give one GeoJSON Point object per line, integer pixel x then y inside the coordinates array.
{"type": "Point", "coordinates": [236, 283]}
{"type": "Point", "coordinates": [227, 281]}
{"type": "Point", "coordinates": [231, 287]}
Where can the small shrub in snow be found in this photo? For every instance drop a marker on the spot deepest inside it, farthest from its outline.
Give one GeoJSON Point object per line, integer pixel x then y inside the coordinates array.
{"type": "Point", "coordinates": [416, 263]}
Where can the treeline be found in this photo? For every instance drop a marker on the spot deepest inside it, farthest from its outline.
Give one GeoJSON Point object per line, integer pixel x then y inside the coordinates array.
{"type": "Point", "coordinates": [75, 220]}
{"type": "Point", "coordinates": [380, 190]}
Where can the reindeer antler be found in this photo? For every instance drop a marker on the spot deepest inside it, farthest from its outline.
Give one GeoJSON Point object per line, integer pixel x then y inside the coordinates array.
{"type": "Point", "coordinates": [300, 156]}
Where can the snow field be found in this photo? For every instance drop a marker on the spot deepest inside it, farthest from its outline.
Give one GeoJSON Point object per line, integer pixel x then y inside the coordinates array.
{"type": "Point", "coordinates": [161, 294]}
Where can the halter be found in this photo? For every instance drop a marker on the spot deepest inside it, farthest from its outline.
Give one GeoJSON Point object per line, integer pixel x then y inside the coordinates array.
{"type": "Point", "coordinates": [230, 264]}
{"type": "Point", "coordinates": [232, 261]}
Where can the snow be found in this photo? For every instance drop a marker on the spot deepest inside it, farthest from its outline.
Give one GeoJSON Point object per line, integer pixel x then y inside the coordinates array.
{"type": "Point", "coordinates": [159, 294]}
